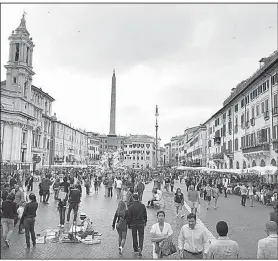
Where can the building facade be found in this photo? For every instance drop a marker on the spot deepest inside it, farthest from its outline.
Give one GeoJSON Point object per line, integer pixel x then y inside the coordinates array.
{"type": "Point", "coordinates": [139, 151]}
{"type": "Point", "coordinates": [93, 148]}
{"type": "Point", "coordinates": [243, 133]}
{"type": "Point", "coordinates": [25, 108]}
{"type": "Point", "coordinates": [167, 147]}
{"type": "Point", "coordinates": [69, 146]}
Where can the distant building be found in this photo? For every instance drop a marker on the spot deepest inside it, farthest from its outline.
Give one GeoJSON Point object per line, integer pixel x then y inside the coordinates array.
{"type": "Point", "coordinates": [139, 151]}
{"type": "Point", "coordinates": [93, 148]}
{"type": "Point", "coordinates": [69, 146]}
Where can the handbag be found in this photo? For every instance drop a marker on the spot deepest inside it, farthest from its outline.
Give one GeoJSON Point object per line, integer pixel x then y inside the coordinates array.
{"type": "Point", "coordinates": [167, 247]}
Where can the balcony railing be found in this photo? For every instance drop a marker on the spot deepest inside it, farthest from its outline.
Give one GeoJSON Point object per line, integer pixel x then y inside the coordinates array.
{"type": "Point", "coordinates": [229, 153]}
{"type": "Point", "coordinates": [275, 110]}
{"type": "Point", "coordinates": [266, 115]}
{"type": "Point", "coordinates": [217, 140]}
{"type": "Point", "coordinates": [218, 156]}
{"type": "Point", "coordinates": [256, 148]}
{"type": "Point", "coordinates": [252, 121]}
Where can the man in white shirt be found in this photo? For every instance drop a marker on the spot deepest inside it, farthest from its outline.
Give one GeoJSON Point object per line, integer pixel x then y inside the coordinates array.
{"type": "Point", "coordinates": [267, 247]}
{"type": "Point", "coordinates": [119, 187]}
{"type": "Point", "coordinates": [243, 193]}
{"type": "Point", "coordinates": [223, 247]}
{"type": "Point", "coordinates": [193, 240]}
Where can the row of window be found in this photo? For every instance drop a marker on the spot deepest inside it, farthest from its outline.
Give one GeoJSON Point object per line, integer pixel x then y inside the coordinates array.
{"type": "Point", "coordinates": [137, 146]}
{"type": "Point", "coordinates": [138, 152]}
{"type": "Point", "coordinates": [138, 158]}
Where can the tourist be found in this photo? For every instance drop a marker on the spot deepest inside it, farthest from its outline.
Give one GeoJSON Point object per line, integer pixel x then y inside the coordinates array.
{"type": "Point", "coordinates": [223, 247]}
{"type": "Point", "coordinates": [121, 218]}
{"type": "Point", "coordinates": [215, 195]}
{"type": "Point", "coordinates": [20, 204]}
{"type": "Point", "coordinates": [74, 200]}
{"type": "Point", "coordinates": [267, 247]}
{"type": "Point", "coordinates": [119, 187]}
{"type": "Point", "coordinates": [87, 185]}
{"type": "Point", "coordinates": [46, 183]}
{"type": "Point", "coordinates": [30, 183]}
{"type": "Point", "coordinates": [9, 211]}
{"type": "Point", "coordinates": [56, 188]}
{"type": "Point", "coordinates": [96, 185]}
{"type": "Point", "coordinates": [62, 204]}
{"type": "Point", "coordinates": [159, 232]}
{"type": "Point", "coordinates": [193, 240]}
{"type": "Point", "coordinates": [110, 187]}
{"type": "Point", "coordinates": [208, 196]}
{"type": "Point", "coordinates": [64, 186]}
{"type": "Point", "coordinates": [179, 202]}
{"type": "Point", "coordinates": [172, 183]}
{"type": "Point", "coordinates": [129, 197]}
{"type": "Point", "coordinates": [274, 214]}
{"type": "Point", "coordinates": [193, 199]}
{"type": "Point", "coordinates": [140, 189]}
{"type": "Point", "coordinates": [29, 215]}
{"type": "Point", "coordinates": [137, 220]}
{"type": "Point", "coordinates": [243, 193]}
{"type": "Point", "coordinates": [250, 193]}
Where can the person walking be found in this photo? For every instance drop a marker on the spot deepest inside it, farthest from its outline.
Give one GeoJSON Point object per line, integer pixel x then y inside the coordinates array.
{"type": "Point", "coordinates": [243, 193]}
{"type": "Point", "coordinates": [121, 218]}
{"type": "Point", "coordinates": [172, 183]}
{"type": "Point", "coordinates": [250, 193]}
{"type": "Point", "coordinates": [9, 212]}
{"type": "Point", "coordinates": [110, 187]}
{"type": "Point", "coordinates": [119, 184]}
{"type": "Point", "coordinates": [267, 247]}
{"type": "Point", "coordinates": [62, 205]}
{"type": "Point", "coordinates": [208, 196]}
{"type": "Point", "coordinates": [20, 201]}
{"type": "Point", "coordinates": [179, 202]}
{"type": "Point", "coordinates": [274, 214]}
{"type": "Point", "coordinates": [29, 215]}
{"type": "Point", "coordinates": [159, 232]}
{"type": "Point", "coordinates": [215, 195]}
{"type": "Point", "coordinates": [193, 240]}
{"type": "Point", "coordinates": [193, 199]}
{"type": "Point", "coordinates": [56, 188]}
{"type": "Point", "coordinates": [140, 189]}
{"type": "Point", "coordinates": [137, 220]}
{"type": "Point", "coordinates": [74, 200]}
{"type": "Point", "coordinates": [96, 184]}
{"type": "Point", "coordinates": [223, 247]}
{"type": "Point", "coordinates": [30, 183]}
{"type": "Point", "coordinates": [46, 183]}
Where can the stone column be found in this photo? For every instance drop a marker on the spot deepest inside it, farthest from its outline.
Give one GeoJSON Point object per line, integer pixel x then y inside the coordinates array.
{"type": "Point", "coordinates": [31, 57]}
{"type": "Point", "coordinates": [7, 142]}
{"type": "Point", "coordinates": [16, 144]}
{"type": "Point", "coordinates": [10, 52]}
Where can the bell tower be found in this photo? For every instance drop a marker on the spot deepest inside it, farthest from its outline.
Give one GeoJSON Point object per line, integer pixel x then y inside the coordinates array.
{"type": "Point", "coordinates": [19, 68]}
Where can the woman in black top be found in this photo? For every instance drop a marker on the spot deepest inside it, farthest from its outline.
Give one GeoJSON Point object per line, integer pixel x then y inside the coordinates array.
{"type": "Point", "coordinates": [29, 214]}
{"type": "Point", "coordinates": [121, 218]}
{"type": "Point", "coordinates": [179, 201]}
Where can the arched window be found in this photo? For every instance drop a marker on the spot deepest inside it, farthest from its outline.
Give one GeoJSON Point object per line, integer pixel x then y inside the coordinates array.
{"type": "Point", "coordinates": [273, 162]}
{"type": "Point", "coordinates": [262, 163]}
{"type": "Point", "coordinates": [254, 163]}
{"type": "Point", "coordinates": [244, 165]}
{"type": "Point", "coordinates": [237, 165]}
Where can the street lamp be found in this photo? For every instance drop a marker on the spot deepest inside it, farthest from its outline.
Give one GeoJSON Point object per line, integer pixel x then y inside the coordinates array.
{"type": "Point", "coordinates": [156, 130]}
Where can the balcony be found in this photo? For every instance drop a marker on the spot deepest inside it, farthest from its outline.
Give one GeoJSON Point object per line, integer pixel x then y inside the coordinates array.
{"type": "Point", "coordinates": [217, 140]}
{"type": "Point", "coordinates": [218, 156]}
{"type": "Point", "coordinates": [275, 110]}
{"type": "Point", "coordinates": [256, 150]}
{"type": "Point", "coordinates": [266, 115]}
{"type": "Point", "coordinates": [229, 153]}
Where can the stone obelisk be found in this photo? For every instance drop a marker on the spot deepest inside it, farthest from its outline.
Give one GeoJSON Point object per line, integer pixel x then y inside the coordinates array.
{"type": "Point", "coordinates": [112, 131]}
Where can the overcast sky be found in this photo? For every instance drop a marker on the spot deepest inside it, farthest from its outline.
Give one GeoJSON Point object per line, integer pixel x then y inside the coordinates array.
{"type": "Point", "coordinates": [184, 58]}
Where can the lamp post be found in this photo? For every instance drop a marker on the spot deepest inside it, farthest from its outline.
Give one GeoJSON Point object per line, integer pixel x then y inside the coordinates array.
{"type": "Point", "coordinates": [156, 130]}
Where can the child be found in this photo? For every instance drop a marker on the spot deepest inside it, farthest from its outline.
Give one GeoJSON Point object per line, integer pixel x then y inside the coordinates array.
{"type": "Point", "coordinates": [40, 191]}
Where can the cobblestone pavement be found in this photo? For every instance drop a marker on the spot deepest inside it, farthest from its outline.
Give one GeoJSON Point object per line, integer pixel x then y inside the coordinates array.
{"type": "Point", "coordinates": [246, 226]}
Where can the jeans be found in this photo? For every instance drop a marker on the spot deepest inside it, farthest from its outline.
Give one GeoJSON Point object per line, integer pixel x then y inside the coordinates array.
{"type": "Point", "coordinates": [87, 189]}
{"type": "Point", "coordinates": [45, 196]}
{"type": "Point", "coordinates": [73, 206]}
{"type": "Point", "coordinates": [140, 228]}
{"type": "Point", "coordinates": [243, 200]}
{"type": "Point", "coordinates": [172, 188]}
{"type": "Point", "coordinates": [29, 224]}
{"type": "Point", "coordinates": [7, 227]}
{"type": "Point", "coordinates": [30, 186]}
{"type": "Point", "coordinates": [110, 192]}
{"type": "Point", "coordinates": [119, 193]}
{"type": "Point", "coordinates": [225, 192]}
{"type": "Point", "coordinates": [62, 212]}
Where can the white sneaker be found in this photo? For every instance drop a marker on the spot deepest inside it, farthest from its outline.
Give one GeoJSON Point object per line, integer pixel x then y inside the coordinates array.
{"type": "Point", "coordinates": [120, 250]}
{"type": "Point", "coordinates": [62, 225]}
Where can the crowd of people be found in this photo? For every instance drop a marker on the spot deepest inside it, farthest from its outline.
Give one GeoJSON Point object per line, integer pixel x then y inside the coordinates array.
{"type": "Point", "coordinates": [18, 209]}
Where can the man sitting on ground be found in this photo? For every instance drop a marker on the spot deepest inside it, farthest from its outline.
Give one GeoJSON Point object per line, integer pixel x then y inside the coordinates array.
{"type": "Point", "coordinates": [155, 198]}
{"type": "Point", "coordinates": [86, 226]}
